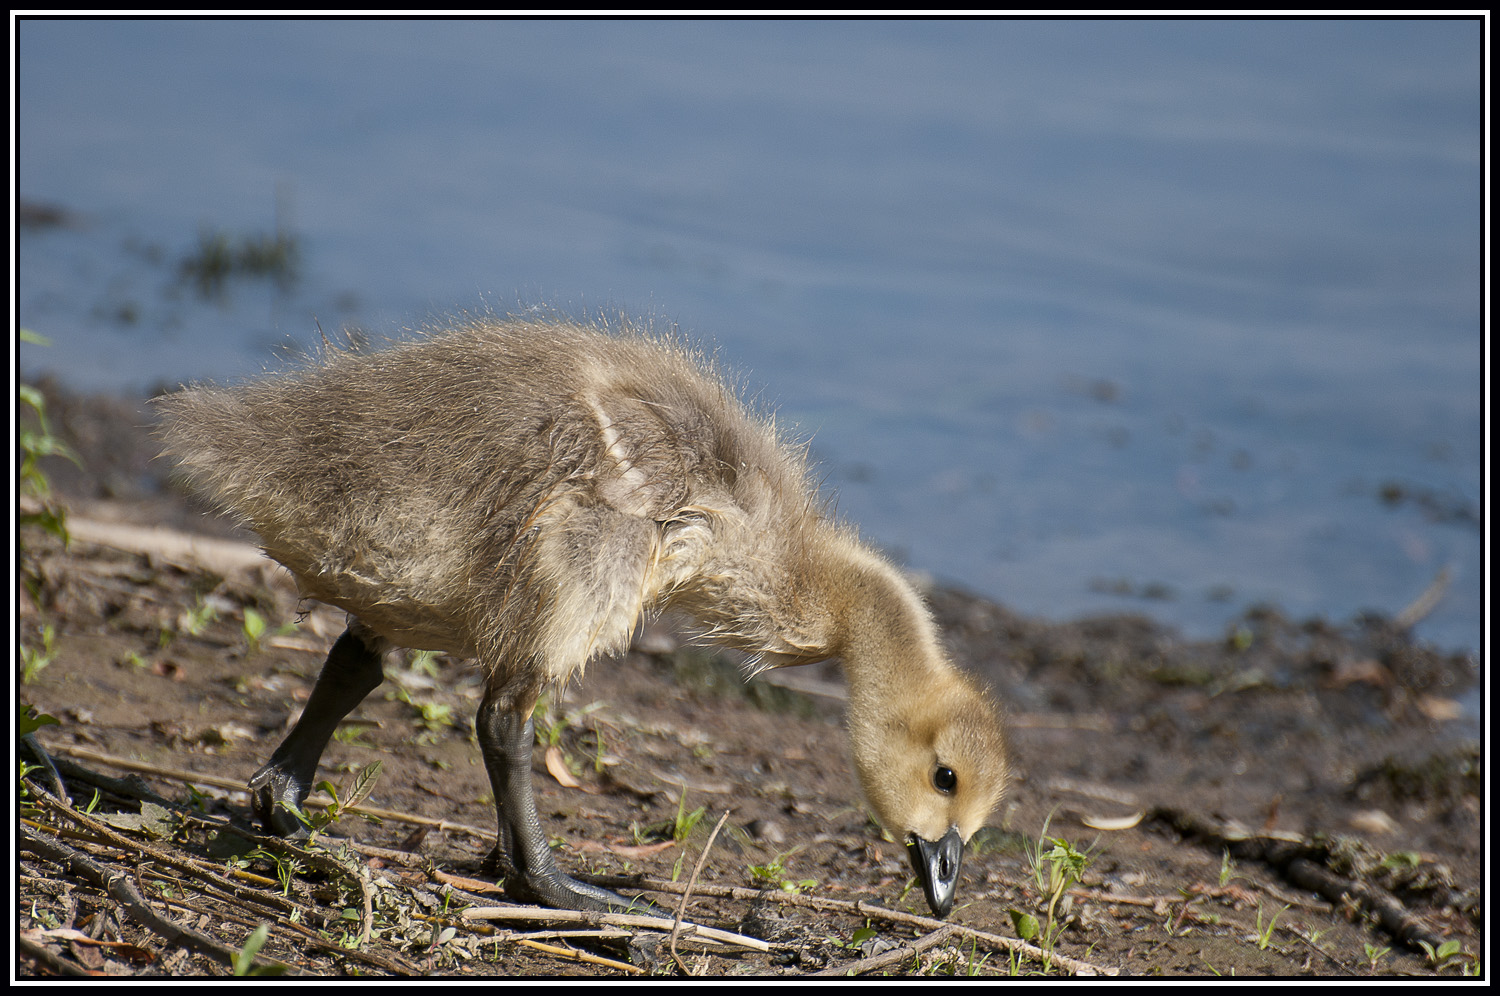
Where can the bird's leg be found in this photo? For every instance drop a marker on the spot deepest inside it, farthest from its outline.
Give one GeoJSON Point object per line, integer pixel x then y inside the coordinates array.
{"type": "Point", "coordinates": [505, 738]}
{"type": "Point", "coordinates": [352, 671]}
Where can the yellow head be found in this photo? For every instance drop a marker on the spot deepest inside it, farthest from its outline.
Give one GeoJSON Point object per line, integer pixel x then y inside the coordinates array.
{"type": "Point", "coordinates": [932, 762]}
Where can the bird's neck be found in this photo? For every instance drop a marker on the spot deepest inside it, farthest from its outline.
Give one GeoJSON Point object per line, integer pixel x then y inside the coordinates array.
{"type": "Point", "coordinates": [881, 630]}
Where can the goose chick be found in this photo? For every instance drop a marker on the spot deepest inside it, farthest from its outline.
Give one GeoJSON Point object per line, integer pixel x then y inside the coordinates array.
{"type": "Point", "coordinates": [521, 492]}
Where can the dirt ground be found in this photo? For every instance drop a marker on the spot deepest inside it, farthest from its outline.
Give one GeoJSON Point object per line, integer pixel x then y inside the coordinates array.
{"type": "Point", "coordinates": [1294, 799]}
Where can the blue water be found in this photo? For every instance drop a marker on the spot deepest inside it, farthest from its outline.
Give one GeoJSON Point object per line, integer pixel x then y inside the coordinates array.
{"type": "Point", "coordinates": [1087, 316]}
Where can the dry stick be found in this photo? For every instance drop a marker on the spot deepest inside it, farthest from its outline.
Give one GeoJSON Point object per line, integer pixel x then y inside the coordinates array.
{"type": "Point", "coordinates": [44, 955]}
{"type": "Point", "coordinates": [120, 889]}
{"type": "Point", "coordinates": [132, 787]}
{"type": "Point", "coordinates": [1051, 958]}
{"type": "Point", "coordinates": [211, 877]}
{"type": "Point", "coordinates": [682, 905]}
{"type": "Point", "coordinates": [536, 914]}
{"type": "Point", "coordinates": [1294, 860]}
{"type": "Point", "coordinates": [563, 935]}
{"type": "Point", "coordinates": [230, 785]}
{"type": "Point", "coordinates": [465, 884]}
{"type": "Point", "coordinates": [860, 907]}
{"type": "Point", "coordinates": [29, 742]}
{"type": "Point", "coordinates": [573, 954]}
{"type": "Point", "coordinates": [333, 866]}
{"type": "Point", "coordinates": [895, 956]}
{"type": "Point", "coordinates": [101, 833]}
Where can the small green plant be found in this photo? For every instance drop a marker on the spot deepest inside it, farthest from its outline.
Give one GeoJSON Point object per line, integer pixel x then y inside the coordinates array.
{"type": "Point", "coordinates": [350, 733]}
{"type": "Point", "coordinates": [974, 964]}
{"type": "Point", "coordinates": [44, 917]}
{"type": "Point", "coordinates": [856, 939]}
{"type": "Point", "coordinates": [197, 798]}
{"type": "Point", "coordinates": [1374, 952]}
{"type": "Point", "coordinates": [23, 794]}
{"type": "Point", "coordinates": [1263, 933]}
{"type": "Point", "coordinates": [773, 874]}
{"type": "Point", "coordinates": [1028, 927]}
{"type": "Point", "coordinates": [599, 755]}
{"type": "Point", "coordinates": [197, 619]}
{"type": "Point", "coordinates": [1444, 955]}
{"type": "Point", "coordinates": [255, 627]}
{"type": "Point", "coordinates": [337, 809]}
{"type": "Point", "coordinates": [28, 720]}
{"type": "Point", "coordinates": [286, 867]}
{"type": "Point", "coordinates": [1401, 861]}
{"type": "Point", "coordinates": [951, 960]}
{"type": "Point", "coordinates": [244, 959]}
{"type": "Point", "coordinates": [33, 660]}
{"type": "Point", "coordinates": [434, 717]}
{"type": "Point", "coordinates": [34, 443]}
{"type": "Point", "coordinates": [1226, 869]}
{"type": "Point", "coordinates": [1174, 924]}
{"type": "Point", "coordinates": [550, 723]}
{"type": "Point", "coordinates": [1055, 869]}
{"type": "Point", "coordinates": [685, 821]}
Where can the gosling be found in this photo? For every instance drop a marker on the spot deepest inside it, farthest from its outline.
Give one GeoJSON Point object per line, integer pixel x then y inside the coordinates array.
{"type": "Point", "coordinates": [522, 492]}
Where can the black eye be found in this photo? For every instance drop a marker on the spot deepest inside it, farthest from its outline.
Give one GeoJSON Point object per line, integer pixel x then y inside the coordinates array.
{"type": "Point", "coordinates": [944, 780]}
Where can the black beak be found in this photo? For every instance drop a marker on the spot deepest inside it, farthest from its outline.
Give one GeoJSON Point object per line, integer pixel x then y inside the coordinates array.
{"type": "Point", "coordinates": [937, 867]}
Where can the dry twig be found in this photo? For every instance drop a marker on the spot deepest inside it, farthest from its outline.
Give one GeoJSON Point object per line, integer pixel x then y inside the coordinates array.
{"type": "Point", "coordinates": [692, 880]}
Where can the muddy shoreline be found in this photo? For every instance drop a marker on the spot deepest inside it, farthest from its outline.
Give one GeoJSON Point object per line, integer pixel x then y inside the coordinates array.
{"type": "Point", "coordinates": [1180, 766]}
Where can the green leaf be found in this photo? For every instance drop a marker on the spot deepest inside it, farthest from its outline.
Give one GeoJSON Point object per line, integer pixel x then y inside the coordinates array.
{"type": "Point", "coordinates": [364, 784]}
{"type": "Point", "coordinates": [153, 821]}
{"type": "Point", "coordinates": [244, 961]}
{"type": "Point", "coordinates": [246, 956]}
{"type": "Point", "coordinates": [255, 625]}
{"type": "Point", "coordinates": [28, 720]}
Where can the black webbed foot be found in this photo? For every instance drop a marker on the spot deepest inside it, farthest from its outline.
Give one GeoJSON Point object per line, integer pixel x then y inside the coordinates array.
{"type": "Point", "coordinates": [274, 794]}
{"type": "Point", "coordinates": [352, 671]}
{"type": "Point", "coordinates": [563, 892]}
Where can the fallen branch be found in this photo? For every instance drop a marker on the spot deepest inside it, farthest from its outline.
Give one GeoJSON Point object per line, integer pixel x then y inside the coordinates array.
{"type": "Point", "coordinates": [894, 956]}
{"type": "Point", "coordinates": [862, 908]}
{"type": "Point", "coordinates": [686, 893]}
{"type": "Point", "coordinates": [573, 954]}
{"type": "Point", "coordinates": [119, 888]}
{"type": "Point", "coordinates": [213, 879]}
{"type": "Point", "coordinates": [1301, 862]}
{"type": "Point", "coordinates": [536, 914]}
{"type": "Point", "coordinates": [198, 779]}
